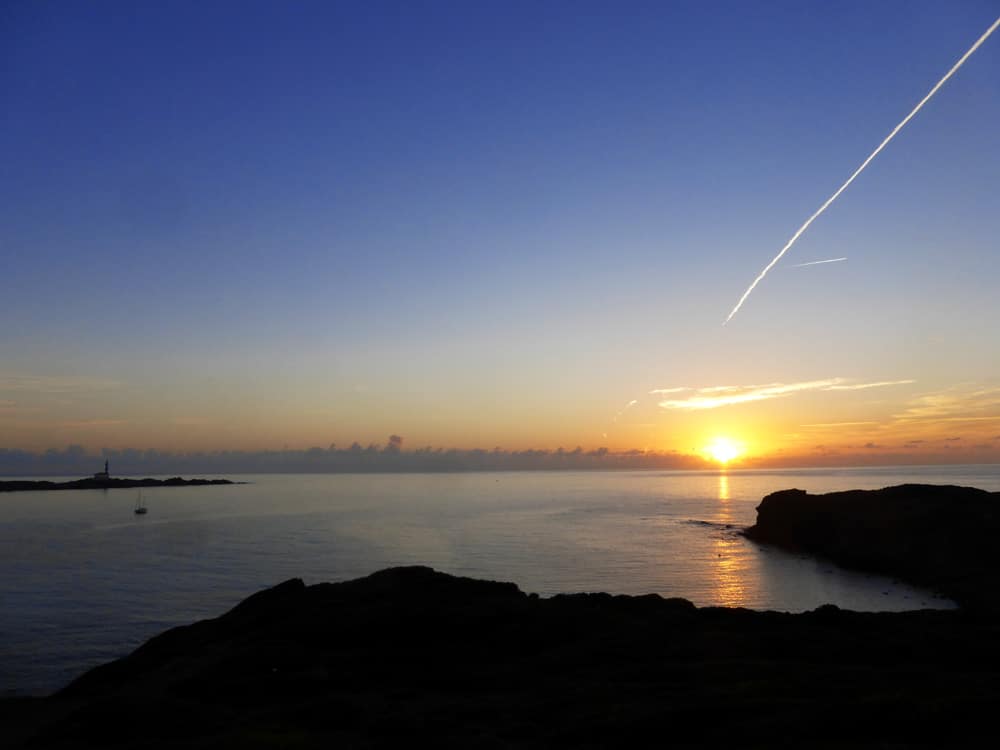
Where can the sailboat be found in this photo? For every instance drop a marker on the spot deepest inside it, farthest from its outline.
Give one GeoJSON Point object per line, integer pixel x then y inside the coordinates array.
{"type": "Point", "coordinates": [140, 509]}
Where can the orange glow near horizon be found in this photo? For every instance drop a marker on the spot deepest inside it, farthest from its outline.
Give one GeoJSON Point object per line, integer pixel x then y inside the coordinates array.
{"type": "Point", "coordinates": [956, 424]}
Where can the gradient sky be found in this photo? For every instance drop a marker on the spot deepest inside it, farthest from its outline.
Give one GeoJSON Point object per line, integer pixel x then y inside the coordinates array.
{"type": "Point", "coordinates": [250, 225]}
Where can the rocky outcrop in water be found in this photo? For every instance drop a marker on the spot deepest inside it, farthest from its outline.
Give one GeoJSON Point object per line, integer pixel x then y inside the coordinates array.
{"type": "Point", "coordinates": [411, 656]}
{"type": "Point", "coordinates": [937, 536]}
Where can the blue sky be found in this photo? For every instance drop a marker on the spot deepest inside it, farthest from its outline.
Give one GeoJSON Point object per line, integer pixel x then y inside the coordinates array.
{"type": "Point", "coordinates": [480, 223]}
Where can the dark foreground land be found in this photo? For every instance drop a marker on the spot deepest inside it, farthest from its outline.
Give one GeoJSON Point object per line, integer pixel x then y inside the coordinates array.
{"type": "Point", "coordinates": [106, 484]}
{"type": "Point", "coordinates": [410, 656]}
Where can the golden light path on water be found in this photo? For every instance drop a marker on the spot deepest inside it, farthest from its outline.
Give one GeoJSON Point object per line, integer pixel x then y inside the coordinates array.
{"type": "Point", "coordinates": [728, 574]}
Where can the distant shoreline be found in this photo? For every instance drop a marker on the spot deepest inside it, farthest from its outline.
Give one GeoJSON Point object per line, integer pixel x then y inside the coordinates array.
{"type": "Point", "coordinates": [106, 484]}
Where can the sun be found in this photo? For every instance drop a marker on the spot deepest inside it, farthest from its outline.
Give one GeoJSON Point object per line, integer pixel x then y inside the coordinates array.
{"type": "Point", "coordinates": [723, 450]}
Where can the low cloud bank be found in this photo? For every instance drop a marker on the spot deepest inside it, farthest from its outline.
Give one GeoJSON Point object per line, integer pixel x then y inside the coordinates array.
{"type": "Point", "coordinates": [76, 461]}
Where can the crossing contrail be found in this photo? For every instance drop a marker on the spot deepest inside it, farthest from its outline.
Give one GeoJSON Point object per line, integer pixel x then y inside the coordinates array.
{"type": "Point", "coordinates": [818, 262]}
{"type": "Point", "coordinates": [861, 169]}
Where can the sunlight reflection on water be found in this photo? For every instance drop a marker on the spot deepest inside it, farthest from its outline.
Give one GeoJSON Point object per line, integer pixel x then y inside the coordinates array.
{"type": "Point", "coordinates": [728, 570]}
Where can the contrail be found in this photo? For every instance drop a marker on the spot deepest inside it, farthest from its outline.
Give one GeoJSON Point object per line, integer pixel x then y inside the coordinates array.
{"type": "Point", "coordinates": [627, 406]}
{"type": "Point", "coordinates": [861, 169]}
{"type": "Point", "coordinates": [818, 262]}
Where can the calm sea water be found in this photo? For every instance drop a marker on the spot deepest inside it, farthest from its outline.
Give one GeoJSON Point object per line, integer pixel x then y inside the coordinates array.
{"type": "Point", "coordinates": [83, 580]}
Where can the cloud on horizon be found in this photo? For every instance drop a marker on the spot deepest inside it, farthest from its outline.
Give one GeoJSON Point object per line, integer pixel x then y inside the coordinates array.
{"type": "Point", "coordinates": [75, 460]}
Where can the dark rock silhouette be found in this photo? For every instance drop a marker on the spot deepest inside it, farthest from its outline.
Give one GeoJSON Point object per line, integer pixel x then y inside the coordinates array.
{"type": "Point", "coordinates": [112, 483]}
{"type": "Point", "coordinates": [936, 536]}
{"type": "Point", "coordinates": [411, 656]}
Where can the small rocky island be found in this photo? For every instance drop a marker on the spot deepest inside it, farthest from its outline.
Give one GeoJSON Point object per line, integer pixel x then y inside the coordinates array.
{"type": "Point", "coordinates": [103, 480]}
{"type": "Point", "coordinates": [414, 656]}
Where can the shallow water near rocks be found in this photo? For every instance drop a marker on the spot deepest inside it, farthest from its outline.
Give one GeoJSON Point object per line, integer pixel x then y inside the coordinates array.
{"type": "Point", "coordinates": [83, 580]}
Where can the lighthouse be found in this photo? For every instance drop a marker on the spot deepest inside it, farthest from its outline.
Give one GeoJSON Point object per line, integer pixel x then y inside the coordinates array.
{"type": "Point", "coordinates": [103, 474]}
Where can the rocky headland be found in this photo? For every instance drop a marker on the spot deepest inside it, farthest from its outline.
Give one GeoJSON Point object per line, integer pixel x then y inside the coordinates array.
{"type": "Point", "coordinates": [112, 483]}
{"type": "Point", "coordinates": [940, 537]}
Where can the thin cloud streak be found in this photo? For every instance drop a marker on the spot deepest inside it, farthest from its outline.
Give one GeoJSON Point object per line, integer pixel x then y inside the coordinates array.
{"type": "Point", "coordinates": [703, 398]}
{"type": "Point", "coordinates": [954, 404]}
{"type": "Point", "coordinates": [627, 406]}
{"type": "Point", "coordinates": [747, 394]}
{"type": "Point", "coordinates": [190, 421]}
{"type": "Point", "coordinates": [863, 386]}
{"type": "Point", "coordinates": [995, 418]}
{"type": "Point", "coordinates": [54, 384]}
{"type": "Point", "coordinates": [861, 169]}
{"type": "Point", "coordinates": [818, 262]}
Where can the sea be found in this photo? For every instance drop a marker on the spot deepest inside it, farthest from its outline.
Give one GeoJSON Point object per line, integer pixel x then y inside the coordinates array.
{"type": "Point", "coordinates": [84, 580]}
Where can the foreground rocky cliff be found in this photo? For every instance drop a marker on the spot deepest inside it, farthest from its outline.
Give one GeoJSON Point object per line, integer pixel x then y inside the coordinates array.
{"type": "Point", "coordinates": [937, 536]}
{"type": "Point", "coordinates": [411, 656]}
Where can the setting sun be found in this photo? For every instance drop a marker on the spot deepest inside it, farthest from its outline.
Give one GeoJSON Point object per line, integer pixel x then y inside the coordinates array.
{"type": "Point", "coordinates": [723, 449]}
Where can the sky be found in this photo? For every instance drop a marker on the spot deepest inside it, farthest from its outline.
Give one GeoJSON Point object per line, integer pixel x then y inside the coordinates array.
{"type": "Point", "coordinates": [257, 225]}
